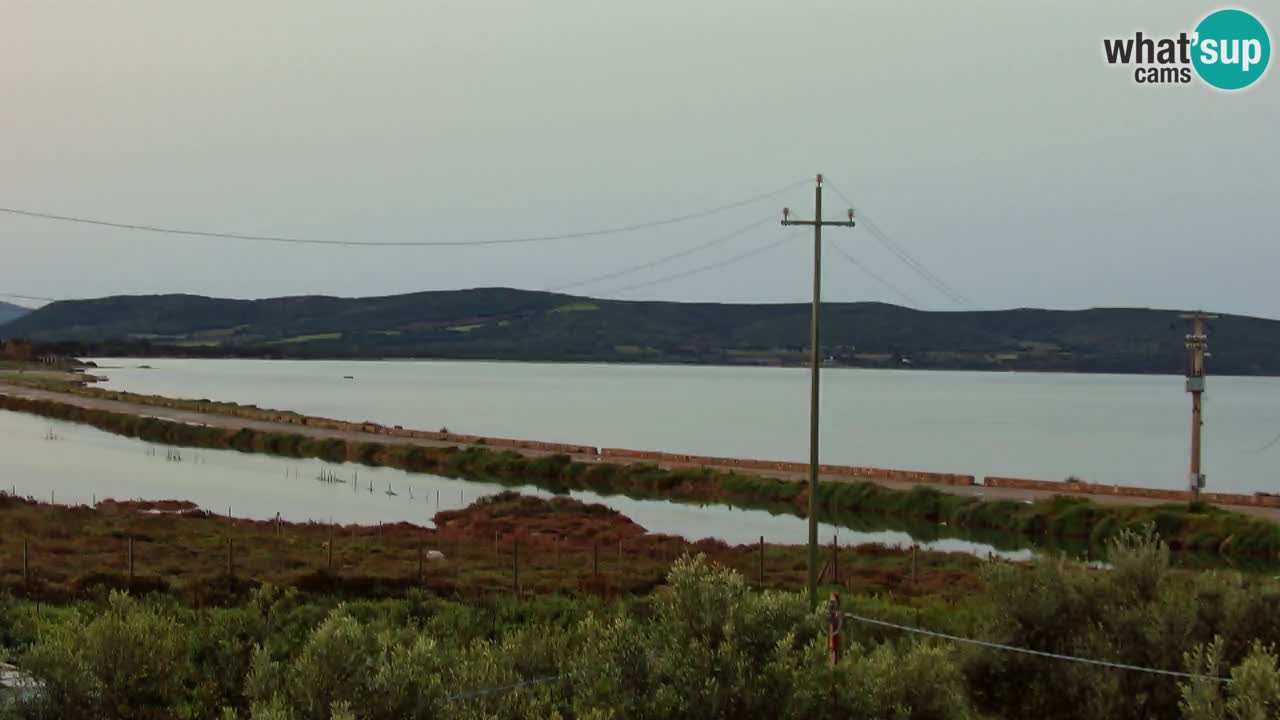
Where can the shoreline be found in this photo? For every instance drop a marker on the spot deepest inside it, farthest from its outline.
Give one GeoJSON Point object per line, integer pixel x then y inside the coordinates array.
{"type": "Point", "coordinates": [1030, 513]}
{"type": "Point", "coordinates": [690, 364]}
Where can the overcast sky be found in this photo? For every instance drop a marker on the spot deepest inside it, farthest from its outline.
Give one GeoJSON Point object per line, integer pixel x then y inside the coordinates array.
{"type": "Point", "coordinates": [989, 139]}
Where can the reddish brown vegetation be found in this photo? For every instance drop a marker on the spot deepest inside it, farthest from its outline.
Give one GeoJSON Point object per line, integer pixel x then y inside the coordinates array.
{"type": "Point", "coordinates": [113, 505]}
{"type": "Point", "coordinates": [562, 546]}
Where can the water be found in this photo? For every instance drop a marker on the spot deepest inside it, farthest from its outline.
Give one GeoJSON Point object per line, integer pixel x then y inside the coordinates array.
{"type": "Point", "coordinates": [1120, 429]}
{"type": "Point", "coordinates": [71, 464]}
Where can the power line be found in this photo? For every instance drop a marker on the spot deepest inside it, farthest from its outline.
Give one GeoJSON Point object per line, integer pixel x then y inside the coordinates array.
{"type": "Point", "coordinates": [504, 688]}
{"type": "Point", "coordinates": [702, 268]}
{"type": "Point", "coordinates": [906, 257]}
{"type": "Point", "coordinates": [527, 307]}
{"type": "Point", "coordinates": [613, 230]}
{"type": "Point", "coordinates": [1037, 653]}
{"type": "Point", "coordinates": [607, 276]}
{"type": "Point", "coordinates": [1274, 441]}
{"type": "Point", "coordinates": [927, 275]}
{"type": "Point", "coordinates": [874, 275]}
{"type": "Point", "coordinates": [667, 258]}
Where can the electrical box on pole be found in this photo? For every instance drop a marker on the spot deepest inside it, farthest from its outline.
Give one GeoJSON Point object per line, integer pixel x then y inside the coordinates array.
{"type": "Point", "coordinates": [1197, 343]}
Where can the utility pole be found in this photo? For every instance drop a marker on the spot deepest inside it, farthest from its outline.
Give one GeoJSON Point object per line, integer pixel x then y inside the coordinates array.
{"type": "Point", "coordinates": [1197, 344]}
{"type": "Point", "coordinates": [815, 362]}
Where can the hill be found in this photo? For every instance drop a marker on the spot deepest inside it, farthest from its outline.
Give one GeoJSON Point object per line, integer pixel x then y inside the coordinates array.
{"type": "Point", "coordinates": [9, 311]}
{"type": "Point", "coordinates": [506, 324]}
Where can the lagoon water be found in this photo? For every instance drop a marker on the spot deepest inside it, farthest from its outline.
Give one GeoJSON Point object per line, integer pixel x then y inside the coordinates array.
{"type": "Point", "coordinates": [74, 464]}
{"type": "Point", "coordinates": [1122, 429]}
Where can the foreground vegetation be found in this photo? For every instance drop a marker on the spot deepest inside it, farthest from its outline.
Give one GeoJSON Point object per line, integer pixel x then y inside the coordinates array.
{"type": "Point", "coordinates": [703, 646]}
{"type": "Point", "coordinates": [1191, 527]}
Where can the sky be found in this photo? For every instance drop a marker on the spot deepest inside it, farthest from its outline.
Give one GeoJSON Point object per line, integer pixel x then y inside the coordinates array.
{"type": "Point", "coordinates": [989, 139]}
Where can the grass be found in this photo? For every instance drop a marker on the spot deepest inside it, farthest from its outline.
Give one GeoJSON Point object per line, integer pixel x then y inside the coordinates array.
{"type": "Point", "coordinates": [465, 328]}
{"type": "Point", "coordinates": [220, 332]}
{"type": "Point", "coordinates": [307, 338]}
{"type": "Point", "coordinates": [634, 350]}
{"type": "Point", "coordinates": [576, 307]}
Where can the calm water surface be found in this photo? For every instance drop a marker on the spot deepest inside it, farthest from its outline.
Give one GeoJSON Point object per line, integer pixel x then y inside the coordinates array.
{"type": "Point", "coordinates": [1121, 429]}
{"type": "Point", "coordinates": [81, 463]}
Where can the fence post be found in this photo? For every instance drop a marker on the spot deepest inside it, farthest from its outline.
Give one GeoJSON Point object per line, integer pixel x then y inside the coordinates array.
{"type": "Point", "coordinates": [834, 621]}
{"type": "Point", "coordinates": [913, 566]}
{"type": "Point", "coordinates": [762, 560]}
{"type": "Point", "coordinates": [835, 559]}
{"type": "Point", "coordinates": [515, 566]}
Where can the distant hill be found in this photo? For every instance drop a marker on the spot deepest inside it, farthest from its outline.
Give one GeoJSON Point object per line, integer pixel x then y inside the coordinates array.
{"type": "Point", "coordinates": [9, 312]}
{"type": "Point", "coordinates": [500, 323]}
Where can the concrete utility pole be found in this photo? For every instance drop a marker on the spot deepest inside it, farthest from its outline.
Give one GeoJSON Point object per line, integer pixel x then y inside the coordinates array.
{"type": "Point", "coordinates": [815, 362]}
{"type": "Point", "coordinates": [1197, 344]}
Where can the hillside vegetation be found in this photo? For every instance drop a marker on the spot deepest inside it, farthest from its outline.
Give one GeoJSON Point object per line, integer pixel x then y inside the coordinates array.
{"type": "Point", "coordinates": [506, 324]}
{"type": "Point", "coordinates": [9, 311]}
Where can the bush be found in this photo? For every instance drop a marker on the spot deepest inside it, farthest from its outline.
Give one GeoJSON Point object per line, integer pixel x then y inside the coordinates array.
{"type": "Point", "coordinates": [128, 662]}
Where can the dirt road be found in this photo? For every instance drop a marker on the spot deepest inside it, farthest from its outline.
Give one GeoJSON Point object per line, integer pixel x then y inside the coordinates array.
{"type": "Point", "coordinates": [226, 421]}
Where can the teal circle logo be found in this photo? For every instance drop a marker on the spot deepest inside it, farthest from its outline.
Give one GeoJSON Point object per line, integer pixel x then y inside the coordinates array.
{"type": "Point", "coordinates": [1231, 49]}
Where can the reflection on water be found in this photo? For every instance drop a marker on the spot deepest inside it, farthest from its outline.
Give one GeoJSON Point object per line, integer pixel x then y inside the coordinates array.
{"type": "Point", "coordinates": [76, 464]}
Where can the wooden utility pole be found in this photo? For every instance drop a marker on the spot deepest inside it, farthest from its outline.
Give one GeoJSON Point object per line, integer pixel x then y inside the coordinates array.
{"type": "Point", "coordinates": [815, 362]}
{"type": "Point", "coordinates": [1197, 344]}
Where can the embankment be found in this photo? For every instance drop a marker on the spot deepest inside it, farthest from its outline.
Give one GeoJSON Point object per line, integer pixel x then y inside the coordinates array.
{"type": "Point", "coordinates": [1084, 488]}
{"type": "Point", "coordinates": [286, 417]}
{"type": "Point", "coordinates": [1195, 526]}
{"type": "Point", "coordinates": [626, 455]}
